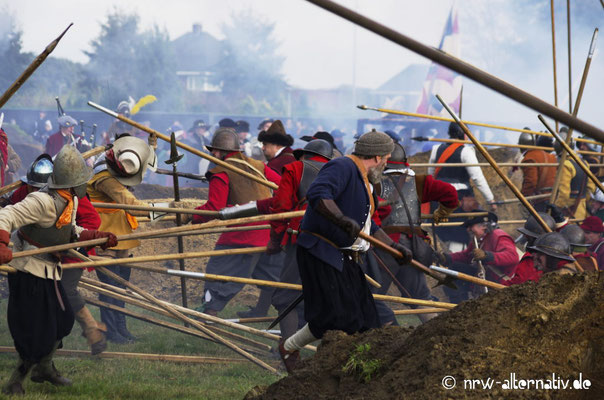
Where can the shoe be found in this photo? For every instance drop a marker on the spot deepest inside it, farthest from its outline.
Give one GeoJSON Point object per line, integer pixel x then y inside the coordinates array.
{"type": "Point", "coordinates": [14, 386]}
{"type": "Point", "coordinates": [122, 329]}
{"type": "Point", "coordinates": [116, 338]}
{"type": "Point", "coordinates": [47, 372]}
{"type": "Point", "coordinates": [290, 358]}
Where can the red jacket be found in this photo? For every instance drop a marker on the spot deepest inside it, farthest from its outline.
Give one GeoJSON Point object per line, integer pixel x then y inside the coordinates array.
{"type": "Point", "coordinates": [286, 199]}
{"type": "Point", "coordinates": [86, 216]}
{"type": "Point", "coordinates": [285, 157]}
{"type": "Point", "coordinates": [525, 271]}
{"type": "Point", "coordinates": [502, 246]}
{"type": "Point", "coordinates": [56, 141]}
{"type": "Point", "coordinates": [3, 154]}
{"type": "Point", "coordinates": [217, 200]}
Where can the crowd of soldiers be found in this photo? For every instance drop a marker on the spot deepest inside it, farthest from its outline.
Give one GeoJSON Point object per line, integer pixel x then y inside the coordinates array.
{"type": "Point", "coordinates": [372, 191]}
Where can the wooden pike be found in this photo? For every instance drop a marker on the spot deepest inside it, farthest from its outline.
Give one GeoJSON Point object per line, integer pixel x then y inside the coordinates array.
{"type": "Point", "coordinates": [165, 324]}
{"type": "Point", "coordinates": [16, 185]}
{"type": "Point", "coordinates": [481, 124]}
{"type": "Point", "coordinates": [176, 229]}
{"type": "Point", "coordinates": [469, 278]}
{"type": "Point", "coordinates": [575, 112]}
{"type": "Point", "coordinates": [212, 231]}
{"type": "Point", "coordinates": [515, 146]}
{"type": "Point", "coordinates": [172, 210]}
{"type": "Point", "coordinates": [31, 68]}
{"type": "Point", "coordinates": [419, 311]}
{"type": "Point", "coordinates": [493, 163]}
{"type": "Point", "coordinates": [139, 356]}
{"type": "Point", "coordinates": [261, 180]}
{"type": "Point", "coordinates": [464, 214]}
{"type": "Point", "coordinates": [443, 165]}
{"type": "Point", "coordinates": [187, 320]}
{"type": "Point", "coordinates": [554, 57]}
{"type": "Point", "coordinates": [504, 222]}
{"type": "Point", "coordinates": [127, 295]}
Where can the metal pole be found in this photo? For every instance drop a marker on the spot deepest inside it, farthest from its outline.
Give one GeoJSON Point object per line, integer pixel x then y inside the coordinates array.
{"type": "Point", "coordinates": [464, 69]}
{"type": "Point", "coordinates": [570, 75]}
{"type": "Point", "coordinates": [554, 57]}
{"type": "Point", "coordinates": [575, 112]}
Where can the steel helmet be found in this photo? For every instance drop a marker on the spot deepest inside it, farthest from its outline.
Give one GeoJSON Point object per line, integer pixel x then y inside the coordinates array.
{"type": "Point", "coordinates": [533, 228]}
{"type": "Point", "coordinates": [397, 161]}
{"type": "Point", "coordinates": [316, 146]}
{"type": "Point", "coordinates": [526, 138]}
{"type": "Point", "coordinates": [39, 171]}
{"type": "Point", "coordinates": [70, 169]}
{"type": "Point", "coordinates": [575, 235]}
{"type": "Point", "coordinates": [563, 134]}
{"type": "Point", "coordinates": [553, 244]}
{"type": "Point", "coordinates": [225, 139]}
{"type": "Point", "coordinates": [135, 156]}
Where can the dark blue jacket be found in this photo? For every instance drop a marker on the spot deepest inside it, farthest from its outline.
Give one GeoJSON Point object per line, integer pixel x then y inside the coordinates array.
{"type": "Point", "coordinates": [339, 180]}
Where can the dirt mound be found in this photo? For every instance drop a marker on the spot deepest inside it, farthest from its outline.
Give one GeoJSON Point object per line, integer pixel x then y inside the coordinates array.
{"type": "Point", "coordinates": [530, 330]}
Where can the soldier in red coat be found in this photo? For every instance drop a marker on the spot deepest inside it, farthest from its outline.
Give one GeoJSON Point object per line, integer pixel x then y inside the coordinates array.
{"type": "Point", "coordinates": [496, 251]}
{"type": "Point", "coordinates": [64, 136]}
{"type": "Point", "coordinates": [276, 146]}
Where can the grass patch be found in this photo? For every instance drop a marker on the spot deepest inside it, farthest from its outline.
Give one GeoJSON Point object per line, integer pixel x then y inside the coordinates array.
{"type": "Point", "coordinates": [361, 364]}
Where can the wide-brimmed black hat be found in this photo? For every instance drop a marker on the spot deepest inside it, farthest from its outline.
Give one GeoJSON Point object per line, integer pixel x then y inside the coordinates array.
{"type": "Point", "coordinates": [490, 217]}
{"type": "Point", "coordinates": [261, 124]}
{"type": "Point", "coordinates": [198, 124]}
{"type": "Point", "coordinates": [276, 134]}
{"type": "Point", "coordinates": [227, 123]}
{"type": "Point", "coordinates": [319, 135]}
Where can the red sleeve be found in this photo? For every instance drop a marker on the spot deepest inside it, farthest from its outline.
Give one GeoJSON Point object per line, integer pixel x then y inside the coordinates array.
{"type": "Point", "coordinates": [19, 194]}
{"type": "Point", "coordinates": [286, 196]}
{"type": "Point", "coordinates": [443, 192]}
{"type": "Point", "coordinates": [465, 256]}
{"type": "Point", "coordinates": [217, 197]}
{"type": "Point", "coordinates": [86, 216]}
{"type": "Point", "coordinates": [271, 175]}
{"type": "Point", "coordinates": [264, 205]}
{"type": "Point", "coordinates": [505, 255]}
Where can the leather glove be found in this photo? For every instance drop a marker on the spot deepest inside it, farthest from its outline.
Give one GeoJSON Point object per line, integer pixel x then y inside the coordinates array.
{"type": "Point", "coordinates": [6, 254]}
{"type": "Point", "coordinates": [90, 235]}
{"type": "Point", "coordinates": [274, 244]}
{"type": "Point", "coordinates": [407, 254]}
{"type": "Point", "coordinates": [441, 214]}
{"type": "Point", "coordinates": [481, 255]}
{"type": "Point", "coordinates": [330, 210]}
{"type": "Point", "coordinates": [152, 140]}
{"type": "Point", "coordinates": [442, 258]}
{"type": "Point", "coordinates": [556, 213]}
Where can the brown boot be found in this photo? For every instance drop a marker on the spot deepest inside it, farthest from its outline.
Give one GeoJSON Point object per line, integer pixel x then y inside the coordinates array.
{"type": "Point", "coordinates": [290, 358]}
{"type": "Point", "coordinates": [93, 331]}
{"type": "Point", "coordinates": [14, 386]}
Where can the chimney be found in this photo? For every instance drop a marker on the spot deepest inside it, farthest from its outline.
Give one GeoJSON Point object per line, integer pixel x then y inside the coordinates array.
{"type": "Point", "coordinates": [197, 28]}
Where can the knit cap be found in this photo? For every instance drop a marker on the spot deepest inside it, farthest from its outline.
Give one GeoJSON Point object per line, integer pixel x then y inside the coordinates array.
{"type": "Point", "coordinates": [373, 143]}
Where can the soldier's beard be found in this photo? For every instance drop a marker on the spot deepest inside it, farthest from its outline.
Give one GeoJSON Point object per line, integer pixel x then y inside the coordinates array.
{"type": "Point", "coordinates": [374, 175]}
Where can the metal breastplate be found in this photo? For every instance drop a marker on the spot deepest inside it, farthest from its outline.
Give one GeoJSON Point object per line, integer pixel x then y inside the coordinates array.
{"type": "Point", "coordinates": [52, 235]}
{"type": "Point", "coordinates": [398, 215]}
{"type": "Point", "coordinates": [309, 173]}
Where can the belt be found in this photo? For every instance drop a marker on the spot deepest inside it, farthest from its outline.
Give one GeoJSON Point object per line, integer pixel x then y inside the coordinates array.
{"type": "Point", "coordinates": [353, 254]}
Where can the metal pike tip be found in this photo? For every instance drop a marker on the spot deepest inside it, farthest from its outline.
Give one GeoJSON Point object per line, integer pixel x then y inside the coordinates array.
{"type": "Point", "coordinates": [362, 107]}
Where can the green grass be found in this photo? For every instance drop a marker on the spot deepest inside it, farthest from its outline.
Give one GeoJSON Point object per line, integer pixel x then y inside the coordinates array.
{"type": "Point", "coordinates": [136, 379]}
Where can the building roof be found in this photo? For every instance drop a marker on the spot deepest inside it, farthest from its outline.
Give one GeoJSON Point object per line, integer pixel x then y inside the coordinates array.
{"type": "Point", "coordinates": [197, 50]}
{"type": "Point", "coordinates": [410, 79]}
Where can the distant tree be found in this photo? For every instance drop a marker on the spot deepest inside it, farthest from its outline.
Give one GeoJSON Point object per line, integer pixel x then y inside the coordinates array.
{"type": "Point", "coordinates": [251, 70]}
{"type": "Point", "coordinates": [126, 62]}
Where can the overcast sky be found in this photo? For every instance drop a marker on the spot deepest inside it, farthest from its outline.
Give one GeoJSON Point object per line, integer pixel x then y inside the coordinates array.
{"type": "Point", "coordinates": [318, 46]}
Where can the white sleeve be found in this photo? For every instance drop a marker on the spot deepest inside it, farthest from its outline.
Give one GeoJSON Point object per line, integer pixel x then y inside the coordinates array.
{"type": "Point", "coordinates": [468, 156]}
{"type": "Point", "coordinates": [433, 159]}
{"type": "Point", "coordinates": [36, 208]}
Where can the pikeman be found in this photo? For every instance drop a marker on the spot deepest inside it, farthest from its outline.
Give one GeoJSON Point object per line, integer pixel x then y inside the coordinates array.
{"type": "Point", "coordinates": [121, 167]}
{"type": "Point", "coordinates": [574, 186]}
{"type": "Point", "coordinates": [341, 203]}
{"type": "Point", "coordinates": [291, 196]}
{"type": "Point", "coordinates": [552, 253]}
{"type": "Point", "coordinates": [536, 180]}
{"type": "Point", "coordinates": [65, 136]}
{"type": "Point", "coordinates": [405, 192]}
{"type": "Point", "coordinates": [38, 317]}
{"type": "Point", "coordinates": [576, 237]}
{"type": "Point", "coordinates": [491, 251]}
{"type": "Point", "coordinates": [227, 188]}
{"type": "Point", "coordinates": [87, 218]}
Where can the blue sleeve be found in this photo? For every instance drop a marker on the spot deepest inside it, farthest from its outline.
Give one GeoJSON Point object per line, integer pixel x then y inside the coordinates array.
{"type": "Point", "coordinates": [374, 227]}
{"type": "Point", "coordinates": [331, 181]}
